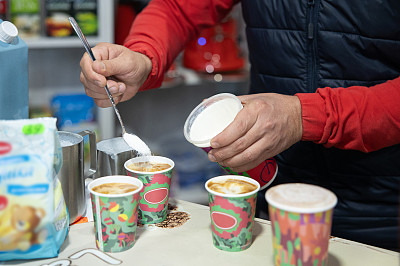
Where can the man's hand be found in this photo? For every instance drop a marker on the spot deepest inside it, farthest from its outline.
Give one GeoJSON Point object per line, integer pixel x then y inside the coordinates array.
{"type": "Point", "coordinates": [267, 125]}
{"type": "Point", "coordinates": [123, 70]}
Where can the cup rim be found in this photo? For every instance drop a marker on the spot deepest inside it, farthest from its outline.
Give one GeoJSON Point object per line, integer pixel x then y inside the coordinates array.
{"type": "Point", "coordinates": [244, 178]}
{"type": "Point", "coordinates": [100, 146]}
{"type": "Point", "coordinates": [214, 98]}
{"type": "Point", "coordinates": [77, 137]}
{"type": "Point", "coordinates": [115, 179]}
{"type": "Point", "coordinates": [153, 158]}
{"type": "Point", "coordinates": [295, 209]}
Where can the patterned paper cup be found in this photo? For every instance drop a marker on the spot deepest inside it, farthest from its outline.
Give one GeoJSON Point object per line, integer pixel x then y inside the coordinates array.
{"type": "Point", "coordinates": [209, 119]}
{"type": "Point", "coordinates": [232, 215]}
{"type": "Point", "coordinates": [154, 196]}
{"type": "Point", "coordinates": [301, 217]}
{"type": "Point", "coordinates": [115, 215]}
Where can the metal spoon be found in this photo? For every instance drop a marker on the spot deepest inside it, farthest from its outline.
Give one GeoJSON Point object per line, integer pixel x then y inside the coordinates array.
{"type": "Point", "coordinates": [90, 53]}
{"type": "Point", "coordinates": [132, 140]}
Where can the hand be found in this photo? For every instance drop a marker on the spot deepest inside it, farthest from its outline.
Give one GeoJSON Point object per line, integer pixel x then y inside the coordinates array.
{"type": "Point", "coordinates": [123, 70]}
{"type": "Point", "coordinates": [267, 125]}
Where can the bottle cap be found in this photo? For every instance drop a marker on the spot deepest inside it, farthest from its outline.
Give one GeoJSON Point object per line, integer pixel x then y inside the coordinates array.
{"type": "Point", "coordinates": [8, 32]}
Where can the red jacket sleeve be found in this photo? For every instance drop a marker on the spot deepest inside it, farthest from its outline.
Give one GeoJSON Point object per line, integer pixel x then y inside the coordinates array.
{"type": "Point", "coordinates": [163, 28]}
{"type": "Point", "coordinates": [358, 118]}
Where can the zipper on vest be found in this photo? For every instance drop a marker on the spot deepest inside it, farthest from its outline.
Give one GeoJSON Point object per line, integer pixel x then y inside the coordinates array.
{"type": "Point", "coordinates": [310, 26]}
{"type": "Point", "coordinates": [310, 35]}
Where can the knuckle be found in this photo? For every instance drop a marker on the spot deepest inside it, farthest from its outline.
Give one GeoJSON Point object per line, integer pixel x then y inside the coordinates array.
{"type": "Point", "coordinates": [248, 156]}
{"type": "Point", "coordinates": [241, 144]}
{"type": "Point", "coordinates": [258, 105]}
{"type": "Point", "coordinates": [242, 126]}
{"type": "Point", "coordinates": [82, 77]}
{"type": "Point", "coordinates": [265, 127]}
{"type": "Point", "coordinates": [219, 156]}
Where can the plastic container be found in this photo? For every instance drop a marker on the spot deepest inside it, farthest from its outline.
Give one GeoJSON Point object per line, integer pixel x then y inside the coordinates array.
{"type": "Point", "coordinates": [72, 110]}
{"type": "Point", "coordinates": [210, 118]}
{"type": "Point", "coordinates": [14, 93]}
{"type": "Point", "coordinates": [76, 113]}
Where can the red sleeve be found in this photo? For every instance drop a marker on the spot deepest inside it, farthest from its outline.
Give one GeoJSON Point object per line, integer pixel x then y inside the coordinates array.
{"type": "Point", "coordinates": [163, 28]}
{"type": "Point", "coordinates": [358, 118]}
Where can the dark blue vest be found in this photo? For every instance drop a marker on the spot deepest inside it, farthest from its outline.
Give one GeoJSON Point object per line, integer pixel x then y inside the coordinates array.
{"type": "Point", "coordinates": [299, 46]}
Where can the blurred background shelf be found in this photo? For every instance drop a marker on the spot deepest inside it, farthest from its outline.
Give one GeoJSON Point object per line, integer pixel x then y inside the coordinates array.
{"type": "Point", "coordinates": [105, 14]}
{"type": "Point", "coordinates": [54, 65]}
{"type": "Point", "coordinates": [65, 42]}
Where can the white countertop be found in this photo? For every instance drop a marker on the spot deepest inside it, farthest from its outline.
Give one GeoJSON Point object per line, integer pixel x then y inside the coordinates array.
{"type": "Point", "coordinates": [191, 244]}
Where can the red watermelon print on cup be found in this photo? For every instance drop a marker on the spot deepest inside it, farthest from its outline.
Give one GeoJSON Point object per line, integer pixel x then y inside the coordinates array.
{"type": "Point", "coordinates": [156, 196]}
{"type": "Point", "coordinates": [232, 201]}
{"type": "Point", "coordinates": [155, 173]}
{"type": "Point", "coordinates": [223, 221]}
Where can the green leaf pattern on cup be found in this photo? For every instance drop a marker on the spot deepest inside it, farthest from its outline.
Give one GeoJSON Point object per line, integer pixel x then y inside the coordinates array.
{"type": "Point", "coordinates": [154, 212]}
{"type": "Point", "coordinates": [118, 218]}
{"type": "Point", "coordinates": [300, 238]}
{"type": "Point", "coordinates": [238, 237]}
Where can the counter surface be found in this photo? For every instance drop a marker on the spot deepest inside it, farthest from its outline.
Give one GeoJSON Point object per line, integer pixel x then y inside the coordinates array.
{"type": "Point", "coordinates": [191, 244]}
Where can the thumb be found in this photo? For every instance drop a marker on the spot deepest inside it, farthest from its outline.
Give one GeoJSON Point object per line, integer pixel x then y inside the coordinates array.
{"type": "Point", "coordinates": [108, 68]}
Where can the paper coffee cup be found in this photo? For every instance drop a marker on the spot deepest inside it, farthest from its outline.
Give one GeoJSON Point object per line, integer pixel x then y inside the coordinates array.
{"type": "Point", "coordinates": [154, 196]}
{"type": "Point", "coordinates": [209, 119]}
{"type": "Point", "coordinates": [115, 215]}
{"type": "Point", "coordinates": [232, 215]}
{"type": "Point", "coordinates": [301, 218]}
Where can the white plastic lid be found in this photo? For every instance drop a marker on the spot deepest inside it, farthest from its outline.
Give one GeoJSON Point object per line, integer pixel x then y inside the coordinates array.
{"type": "Point", "coordinates": [205, 123]}
{"type": "Point", "coordinates": [8, 32]}
{"type": "Point", "coordinates": [301, 198]}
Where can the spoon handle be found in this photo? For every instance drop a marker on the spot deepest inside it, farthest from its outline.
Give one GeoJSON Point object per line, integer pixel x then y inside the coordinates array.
{"type": "Point", "coordinates": [79, 32]}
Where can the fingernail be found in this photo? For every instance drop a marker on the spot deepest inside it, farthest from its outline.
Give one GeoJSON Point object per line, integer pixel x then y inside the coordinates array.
{"type": "Point", "coordinates": [102, 66]}
{"type": "Point", "coordinates": [113, 89]}
{"type": "Point", "coordinates": [121, 88]}
{"type": "Point", "coordinates": [211, 157]}
{"type": "Point", "coordinates": [215, 145]}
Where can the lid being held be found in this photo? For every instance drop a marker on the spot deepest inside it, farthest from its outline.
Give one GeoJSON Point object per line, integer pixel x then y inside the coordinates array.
{"type": "Point", "coordinates": [8, 32]}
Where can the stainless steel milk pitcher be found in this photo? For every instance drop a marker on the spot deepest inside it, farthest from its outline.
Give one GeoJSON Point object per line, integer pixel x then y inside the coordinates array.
{"type": "Point", "coordinates": [72, 174]}
{"type": "Point", "coordinates": [111, 156]}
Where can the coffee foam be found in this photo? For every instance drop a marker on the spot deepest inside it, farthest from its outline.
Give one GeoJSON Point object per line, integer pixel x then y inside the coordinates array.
{"type": "Point", "coordinates": [114, 188]}
{"type": "Point", "coordinates": [147, 160]}
{"type": "Point", "coordinates": [302, 198]}
{"type": "Point", "coordinates": [231, 186]}
{"type": "Point", "coordinates": [148, 166]}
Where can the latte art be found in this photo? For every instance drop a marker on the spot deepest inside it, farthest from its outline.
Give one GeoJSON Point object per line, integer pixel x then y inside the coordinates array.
{"type": "Point", "coordinates": [232, 186]}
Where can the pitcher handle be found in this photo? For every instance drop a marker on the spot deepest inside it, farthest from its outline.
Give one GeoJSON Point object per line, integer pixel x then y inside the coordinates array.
{"type": "Point", "coordinates": [92, 151]}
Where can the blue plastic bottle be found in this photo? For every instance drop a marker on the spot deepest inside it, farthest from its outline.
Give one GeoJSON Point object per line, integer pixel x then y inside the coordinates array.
{"type": "Point", "coordinates": [14, 93]}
